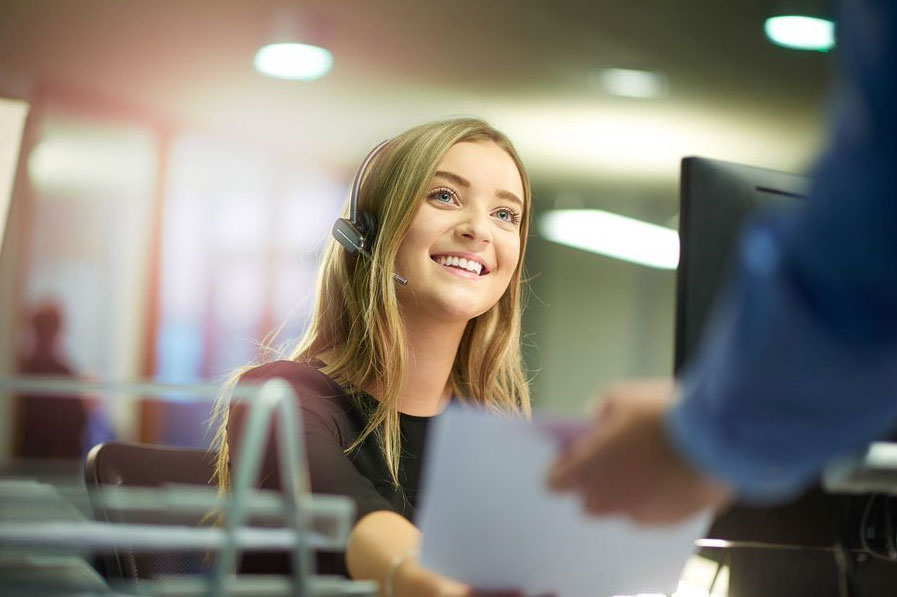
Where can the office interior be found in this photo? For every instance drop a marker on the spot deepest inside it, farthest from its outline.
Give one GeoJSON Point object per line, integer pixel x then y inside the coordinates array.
{"type": "Point", "coordinates": [165, 203]}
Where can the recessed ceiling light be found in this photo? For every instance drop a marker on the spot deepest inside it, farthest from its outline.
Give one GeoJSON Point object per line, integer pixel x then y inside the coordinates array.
{"type": "Point", "coordinates": [294, 61]}
{"type": "Point", "coordinates": [626, 82]}
{"type": "Point", "coordinates": [613, 235]}
{"type": "Point", "coordinates": [801, 32]}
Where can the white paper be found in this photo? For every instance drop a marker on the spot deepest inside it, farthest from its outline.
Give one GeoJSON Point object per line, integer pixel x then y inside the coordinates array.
{"type": "Point", "coordinates": [489, 521]}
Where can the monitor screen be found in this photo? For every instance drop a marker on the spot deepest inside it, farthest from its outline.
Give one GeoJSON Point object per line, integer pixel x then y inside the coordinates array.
{"type": "Point", "coordinates": [716, 198]}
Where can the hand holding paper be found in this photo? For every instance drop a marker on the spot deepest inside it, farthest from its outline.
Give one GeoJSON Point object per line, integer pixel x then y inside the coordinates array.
{"type": "Point", "coordinates": [627, 467]}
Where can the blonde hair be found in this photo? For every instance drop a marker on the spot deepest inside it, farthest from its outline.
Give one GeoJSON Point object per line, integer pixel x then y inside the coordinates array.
{"type": "Point", "coordinates": [356, 319]}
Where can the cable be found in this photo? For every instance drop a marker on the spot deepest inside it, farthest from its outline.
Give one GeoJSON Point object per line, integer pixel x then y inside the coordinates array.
{"type": "Point", "coordinates": [890, 542]}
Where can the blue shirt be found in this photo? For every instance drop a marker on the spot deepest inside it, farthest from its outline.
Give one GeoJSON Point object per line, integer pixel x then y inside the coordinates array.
{"type": "Point", "coordinates": [800, 364]}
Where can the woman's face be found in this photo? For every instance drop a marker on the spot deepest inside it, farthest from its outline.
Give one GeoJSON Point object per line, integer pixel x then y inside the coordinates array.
{"type": "Point", "coordinates": [464, 242]}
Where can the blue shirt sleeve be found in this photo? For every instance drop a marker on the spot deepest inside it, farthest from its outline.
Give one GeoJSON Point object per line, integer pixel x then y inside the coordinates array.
{"type": "Point", "coordinates": [800, 362]}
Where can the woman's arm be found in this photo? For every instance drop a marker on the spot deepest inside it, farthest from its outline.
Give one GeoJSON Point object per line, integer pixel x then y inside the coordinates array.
{"type": "Point", "coordinates": [377, 539]}
{"type": "Point", "coordinates": [380, 541]}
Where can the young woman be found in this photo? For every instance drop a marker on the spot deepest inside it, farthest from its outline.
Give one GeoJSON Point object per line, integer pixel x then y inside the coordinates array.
{"type": "Point", "coordinates": [427, 313]}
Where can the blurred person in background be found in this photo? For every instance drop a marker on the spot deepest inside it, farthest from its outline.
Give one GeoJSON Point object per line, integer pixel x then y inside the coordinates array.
{"type": "Point", "coordinates": [49, 427]}
{"type": "Point", "coordinates": [800, 364]}
{"type": "Point", "coordinates": [42, 357]}
{"type": "Point", "coordinates": [427, 313]}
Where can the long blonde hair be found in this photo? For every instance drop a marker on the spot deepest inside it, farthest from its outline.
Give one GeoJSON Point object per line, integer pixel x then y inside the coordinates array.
{"type": "Point", "coordinates": [356, 319]}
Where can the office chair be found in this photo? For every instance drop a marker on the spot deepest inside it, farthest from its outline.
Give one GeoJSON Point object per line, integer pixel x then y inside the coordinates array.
{"type": "Point", "coordinates": [145, 465]}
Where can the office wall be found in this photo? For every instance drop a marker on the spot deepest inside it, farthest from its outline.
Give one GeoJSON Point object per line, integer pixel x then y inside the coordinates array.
{"type": "Point", "coordinates": [593, 320]}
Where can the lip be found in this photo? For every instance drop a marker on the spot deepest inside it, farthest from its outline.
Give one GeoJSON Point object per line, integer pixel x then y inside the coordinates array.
{"type": "Point", "coordinates": [468, 256]}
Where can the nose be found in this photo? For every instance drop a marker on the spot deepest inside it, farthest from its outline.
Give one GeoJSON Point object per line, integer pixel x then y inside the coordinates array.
{"type": "Point", "coordinates": [474, 227]}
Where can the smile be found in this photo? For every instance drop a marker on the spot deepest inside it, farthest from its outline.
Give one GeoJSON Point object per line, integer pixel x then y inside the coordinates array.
{"type": "Point", "coordinates": [461, 263]}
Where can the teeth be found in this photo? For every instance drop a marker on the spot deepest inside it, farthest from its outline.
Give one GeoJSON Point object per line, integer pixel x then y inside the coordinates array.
{"type": "Point", "coordinates": [461, 263]}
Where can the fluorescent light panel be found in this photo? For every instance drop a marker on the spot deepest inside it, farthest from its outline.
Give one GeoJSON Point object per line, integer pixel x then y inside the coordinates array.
{"type": "Point", "coordinates": [801, 32]}
{"type": "Point", "coordinates": [612, 235]}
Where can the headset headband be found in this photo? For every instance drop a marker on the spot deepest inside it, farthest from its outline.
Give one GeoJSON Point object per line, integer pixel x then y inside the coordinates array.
{"type": "Point", "coordinates": [359, 178]}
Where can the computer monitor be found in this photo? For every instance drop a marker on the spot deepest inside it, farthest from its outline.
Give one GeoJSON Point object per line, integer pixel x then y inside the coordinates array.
{"type": "Point", "coordinates": [716, 200]}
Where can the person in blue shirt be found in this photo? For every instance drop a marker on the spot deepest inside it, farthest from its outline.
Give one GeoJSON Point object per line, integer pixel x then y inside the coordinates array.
{"type": "Point", "coordinates": [800, 365]}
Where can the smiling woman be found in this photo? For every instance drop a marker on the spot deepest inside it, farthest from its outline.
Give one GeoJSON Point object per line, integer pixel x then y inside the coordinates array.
{"type": "Point", "coordinates": [444, 206]}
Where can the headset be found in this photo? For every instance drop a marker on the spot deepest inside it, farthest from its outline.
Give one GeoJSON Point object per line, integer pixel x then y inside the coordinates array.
{"type": "Point", "coordinates": [356, 234]}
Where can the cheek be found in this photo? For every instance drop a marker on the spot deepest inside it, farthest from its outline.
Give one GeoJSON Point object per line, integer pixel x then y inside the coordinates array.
{"type": "Point", "coordinates": [404, 249]}
{"type": "Point", "coordinates": [509, 255]}
{"type": "Point", "coordinates": [418, 239]}
{"type": "Point", "coordinates": [410, 245]}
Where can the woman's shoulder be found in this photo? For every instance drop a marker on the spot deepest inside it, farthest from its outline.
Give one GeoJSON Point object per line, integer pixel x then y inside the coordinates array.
{"type": "Point", "coordinates": [305, 371]}
{"type": "Point", "coordinates": [316, 391]}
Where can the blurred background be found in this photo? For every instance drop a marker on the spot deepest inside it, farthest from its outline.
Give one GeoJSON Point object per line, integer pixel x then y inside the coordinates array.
{"type": "Point", "coordinates": [166, 202]}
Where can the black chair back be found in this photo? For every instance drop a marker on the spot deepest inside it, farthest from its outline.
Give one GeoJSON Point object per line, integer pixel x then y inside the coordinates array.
{"type": "Point", "coordinates": [145, 465]}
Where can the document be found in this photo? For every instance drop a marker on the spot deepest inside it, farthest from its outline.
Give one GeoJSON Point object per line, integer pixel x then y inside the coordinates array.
{"type": "Point", "coordinates": [489, 521]}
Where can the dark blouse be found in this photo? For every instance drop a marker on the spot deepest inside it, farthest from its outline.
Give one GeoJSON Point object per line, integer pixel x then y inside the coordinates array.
{"type": "Point", "coordinates": [331, 420]}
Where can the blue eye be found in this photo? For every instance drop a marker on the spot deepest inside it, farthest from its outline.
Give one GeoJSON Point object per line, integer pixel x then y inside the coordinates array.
{"type": "Point", "coordinates": [507, 215]}
{"type": "Point", "coordinates": [442, 195]}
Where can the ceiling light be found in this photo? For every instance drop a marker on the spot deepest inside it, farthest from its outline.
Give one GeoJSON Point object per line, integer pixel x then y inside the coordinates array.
{"type": "Point", "coordinates": [613, 235]}
{"type": "Point", "coordinates": [624, 82]}
{"type": "Point", "coordinates": [801, 32]}
{"type": "Point", "coordinates": [294, 61]}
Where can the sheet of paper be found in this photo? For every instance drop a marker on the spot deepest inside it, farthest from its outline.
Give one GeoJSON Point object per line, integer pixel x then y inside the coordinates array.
{"type": "Point", "coordinates": [488, 520]}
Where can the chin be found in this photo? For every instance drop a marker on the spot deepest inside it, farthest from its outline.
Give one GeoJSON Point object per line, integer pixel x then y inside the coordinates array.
{"type": "Point", "coordinates": [461, 314]}
{"type": "Point", "coordinates": [461, 310]}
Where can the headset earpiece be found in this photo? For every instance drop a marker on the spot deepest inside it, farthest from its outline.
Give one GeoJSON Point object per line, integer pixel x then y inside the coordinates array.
{"type": "Point", "coordinates": [349, 236]}
{"type": "Point", "coordinates": [357, 232]}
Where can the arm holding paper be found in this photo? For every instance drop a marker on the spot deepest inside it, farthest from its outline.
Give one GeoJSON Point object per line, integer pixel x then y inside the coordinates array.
{"type": "Point", "coordinates": [800, 366]}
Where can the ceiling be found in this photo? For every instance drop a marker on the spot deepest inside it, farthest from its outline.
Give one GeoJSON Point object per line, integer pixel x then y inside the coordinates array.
{"type": "Point", "coordinates": [523, 64]}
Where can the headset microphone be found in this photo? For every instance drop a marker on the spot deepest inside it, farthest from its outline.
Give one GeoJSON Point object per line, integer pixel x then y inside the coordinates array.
{"type": "Point", "coordinates": [356, 234]}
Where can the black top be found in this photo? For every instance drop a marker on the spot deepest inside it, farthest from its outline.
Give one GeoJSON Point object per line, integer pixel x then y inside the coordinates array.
{"type": "Point", "coordinates": [331, 420]}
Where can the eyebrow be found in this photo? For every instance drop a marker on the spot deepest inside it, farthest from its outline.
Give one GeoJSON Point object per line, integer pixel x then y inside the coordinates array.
{"type": "Point", "coordinates": [460, 180]}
